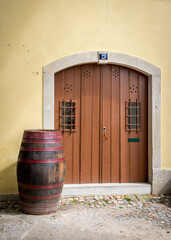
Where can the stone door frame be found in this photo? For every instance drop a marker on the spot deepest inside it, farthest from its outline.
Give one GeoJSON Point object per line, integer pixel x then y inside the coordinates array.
{"type": "Point", "coordinates": [154, 99]}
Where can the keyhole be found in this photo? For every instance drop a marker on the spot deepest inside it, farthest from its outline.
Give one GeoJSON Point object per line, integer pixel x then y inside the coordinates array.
{"type": "Point", "coordinates": [104, 129]}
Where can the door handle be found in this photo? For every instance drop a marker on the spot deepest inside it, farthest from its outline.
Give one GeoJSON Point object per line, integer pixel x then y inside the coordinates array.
{"type": "Point", "coordinates": [105, 135]}
{"type": "Point", "coordinates": [104, 132]}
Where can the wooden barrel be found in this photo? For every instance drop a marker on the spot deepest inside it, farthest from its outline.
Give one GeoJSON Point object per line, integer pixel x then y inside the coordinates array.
{"type": "Point", "coordinates": [40, 171]}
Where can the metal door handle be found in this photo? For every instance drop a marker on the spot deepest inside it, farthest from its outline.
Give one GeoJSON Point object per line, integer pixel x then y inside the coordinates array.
{"type": "Point", "coordinates": [105, 135]}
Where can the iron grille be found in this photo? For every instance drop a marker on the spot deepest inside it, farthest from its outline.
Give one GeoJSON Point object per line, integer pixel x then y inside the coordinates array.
{"type": "Point", "coordinates": [133, 116]}
{"type": "Point", "coordinates": [67, 115]}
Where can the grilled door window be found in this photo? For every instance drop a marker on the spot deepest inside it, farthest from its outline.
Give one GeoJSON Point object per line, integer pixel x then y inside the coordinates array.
{"type": "Point", "coordinates": [133, 116]}
{"type": "Point", "coordinates": [68, 115]}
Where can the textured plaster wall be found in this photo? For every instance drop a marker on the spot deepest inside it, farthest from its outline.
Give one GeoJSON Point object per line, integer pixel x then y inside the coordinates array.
{"type": "Point", "coordinates": [36, 32]}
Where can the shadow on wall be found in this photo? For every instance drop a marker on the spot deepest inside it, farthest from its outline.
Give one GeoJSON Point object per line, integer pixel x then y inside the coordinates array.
{"type": "Point", "coordinates": [166, 188]}
{"type": "Point", "coordinates": [8, 180]}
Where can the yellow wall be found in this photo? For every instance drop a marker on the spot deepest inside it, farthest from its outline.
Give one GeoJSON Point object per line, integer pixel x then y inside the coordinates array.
{"type": "Point", "coordinates": [34, 33]}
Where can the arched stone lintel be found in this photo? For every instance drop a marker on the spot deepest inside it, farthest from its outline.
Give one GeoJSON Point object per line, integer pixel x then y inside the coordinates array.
{"type": "Point", "coordinates": [92, 57]}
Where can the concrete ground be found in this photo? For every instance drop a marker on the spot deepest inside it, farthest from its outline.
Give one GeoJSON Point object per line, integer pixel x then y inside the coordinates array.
{"type": "Point", "coordinates": [97, 217]}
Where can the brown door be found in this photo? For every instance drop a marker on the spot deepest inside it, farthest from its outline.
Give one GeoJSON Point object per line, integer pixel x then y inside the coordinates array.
{"type": "Point", "coordinates": [102, 112]}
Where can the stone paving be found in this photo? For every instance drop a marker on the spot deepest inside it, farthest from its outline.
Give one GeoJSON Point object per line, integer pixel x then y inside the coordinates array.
{"type": "Point", "coordinates": [151, 208]}
{"type": "Point", "coordinates": [151, 212]}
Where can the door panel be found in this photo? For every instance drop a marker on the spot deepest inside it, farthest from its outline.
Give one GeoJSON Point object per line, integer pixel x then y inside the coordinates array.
{"type": "Point", "coordinates": [106, 123]}
{"type": "Point", "coordinates": [124, 150]}
{"type": "Point", "coordinates": [143, 155]}
{"type": "Point", "coordinates": [106, 96]}
{"type": "Point", "coordinates": [67, 137]}
{"type": "Point", "coordinates": [67, 86]}
{"type": "Point", "coordinates": [115, 125]}
{"type": "Point", "coordinates": [133, 146]}
{"type": "Point", "coordinates": [86, 123]}
{"type": "Point", "coordinates": [95, 125]}
{"type": "Point", "coordinates": [76, 136]}
{"type": "Point", "coordinates": [110, 121]}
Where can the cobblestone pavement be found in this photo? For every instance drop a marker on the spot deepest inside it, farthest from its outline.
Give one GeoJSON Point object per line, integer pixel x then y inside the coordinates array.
{"type": "Point", "coordinates": [97, 217]}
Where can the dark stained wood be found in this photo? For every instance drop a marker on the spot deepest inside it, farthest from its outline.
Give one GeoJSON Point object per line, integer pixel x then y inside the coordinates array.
{"type": "Point", "coordinates": [40, 171]}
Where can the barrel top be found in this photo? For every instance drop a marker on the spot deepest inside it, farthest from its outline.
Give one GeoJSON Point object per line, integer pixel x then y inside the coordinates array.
{"type": "Point", "coordinates": [42, 133]}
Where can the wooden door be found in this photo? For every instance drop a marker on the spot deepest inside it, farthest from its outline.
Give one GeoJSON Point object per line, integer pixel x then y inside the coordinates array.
{"type": "Point", "coordinates": [134, 126]}
{"type": "Point", "coordinates": [103, 142]}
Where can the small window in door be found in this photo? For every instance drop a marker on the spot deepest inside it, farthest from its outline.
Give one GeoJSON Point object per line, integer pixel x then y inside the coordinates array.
{"type": "Point", "coordinates": [133, 116]}
{"type": "Point", "coordinates": [67, 115]}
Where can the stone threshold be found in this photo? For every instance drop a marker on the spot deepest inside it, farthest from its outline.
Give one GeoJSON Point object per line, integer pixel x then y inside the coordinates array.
{"type": "Point", "coordinates": [71, 190]}
{"type": "Point", "coordinates": [93, 189]}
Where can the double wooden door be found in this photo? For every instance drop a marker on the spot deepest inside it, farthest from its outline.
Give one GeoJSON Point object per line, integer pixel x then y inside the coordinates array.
{"type": "Point", "coordinates": [102, 112]}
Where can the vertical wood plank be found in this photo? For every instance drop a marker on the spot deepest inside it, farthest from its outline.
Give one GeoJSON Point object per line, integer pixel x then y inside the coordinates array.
{"type": "Point", "coordinates": [101, 125]}
{"type": "Point", "coordinates": [124, 149]}
{"type": "Point", "coordinates": [86, 124]}
{"type": "Point", "coordinates": [114, 145]}
{"type": "Point", "coordinates": [76, 135]}
{"type": "Point", "coordinates": [59, 95]}
{"type": "Point", "coordinates": [134, 146]}
{"type": "Point", "coordinates": [106, 83]}
{"type": "Point", "coordinates": [95, 123]}
{"type": "Point", "coordinates": [67, 136]}
{"type": "Point", "coordinates": [143, 153]}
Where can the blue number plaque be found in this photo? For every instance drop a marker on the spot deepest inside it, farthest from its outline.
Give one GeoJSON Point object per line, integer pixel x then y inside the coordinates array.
{"type": "Point", "coordinates": [103, 56]}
